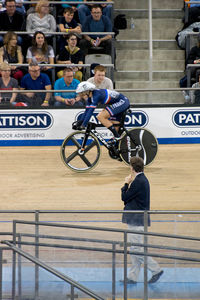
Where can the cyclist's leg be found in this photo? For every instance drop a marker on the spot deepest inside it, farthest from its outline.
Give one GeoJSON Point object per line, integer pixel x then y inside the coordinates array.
{"type": "Point", "coordinates": [104, 118]}
{"type": "Point", "coordinates": [116, 111]}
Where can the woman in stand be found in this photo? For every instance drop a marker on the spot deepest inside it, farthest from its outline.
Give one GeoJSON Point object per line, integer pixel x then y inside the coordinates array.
{"type": "Point", "coordinates": [71, 54]}
{"type": "Point", "coordinates": [12, 54]}
{"type": "Point", "coordinates": [7, 83]}
{"type": "Point", "coordinates": [41, 52]}
{"type": "Point", "coordinates": [41, 20]}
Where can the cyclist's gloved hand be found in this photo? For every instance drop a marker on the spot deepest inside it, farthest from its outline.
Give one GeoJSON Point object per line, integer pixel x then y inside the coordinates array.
{"type": "Point", "coordinates": [77, 124]}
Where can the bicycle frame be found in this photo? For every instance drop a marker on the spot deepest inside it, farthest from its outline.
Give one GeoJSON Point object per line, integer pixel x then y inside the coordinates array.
{"type": "Point", "coordinates": [91, 128]}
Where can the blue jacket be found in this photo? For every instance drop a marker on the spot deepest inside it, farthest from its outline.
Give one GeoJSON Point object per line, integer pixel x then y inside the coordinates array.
{"type": "Point", "coordinates": [136, 197]}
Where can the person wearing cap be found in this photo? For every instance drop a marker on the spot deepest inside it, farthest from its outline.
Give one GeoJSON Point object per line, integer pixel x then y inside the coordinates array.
{"type": "Point", "coordinates": [7, 83]}
{"type": "Point", "coordinates": [99, 79]}
{"type": "Point", "coordinates": [114, 106]}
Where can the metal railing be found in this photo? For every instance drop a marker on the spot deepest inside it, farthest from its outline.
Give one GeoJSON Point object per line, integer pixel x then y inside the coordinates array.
{"type": "Point", "coordinates": [18, 239]}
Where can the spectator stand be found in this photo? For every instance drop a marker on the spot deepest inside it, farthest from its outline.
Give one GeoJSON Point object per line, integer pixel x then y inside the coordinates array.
{"type": "Point", "coordinates": [60, 65]}
{"type": "Point", "coordinates": [110, 65]}
{"type": "Point", "coordinates": [55, 34]}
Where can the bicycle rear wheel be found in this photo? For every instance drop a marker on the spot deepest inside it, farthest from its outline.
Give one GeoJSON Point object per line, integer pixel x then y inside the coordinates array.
{"type": "Point", "coordinates": [74, 158]}
{"type": "Point", "coordinates": [138, 142]}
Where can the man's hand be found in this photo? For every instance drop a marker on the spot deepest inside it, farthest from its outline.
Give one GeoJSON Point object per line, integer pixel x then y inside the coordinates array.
{"type": "Point", "coordinates": [129, 178]}
{"type": "Point", "coordinates": [45, 104]}
{"type": "Point", "coordinates": [70, 101]}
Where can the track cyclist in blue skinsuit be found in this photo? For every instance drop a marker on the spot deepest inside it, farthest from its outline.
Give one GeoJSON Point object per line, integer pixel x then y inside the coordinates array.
{"type": "Point", "coordinates": [114, 106]}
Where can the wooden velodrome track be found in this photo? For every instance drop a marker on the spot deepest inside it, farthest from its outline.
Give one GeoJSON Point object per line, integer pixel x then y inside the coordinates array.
{"type": "Point", "coordinates": [35, 178]}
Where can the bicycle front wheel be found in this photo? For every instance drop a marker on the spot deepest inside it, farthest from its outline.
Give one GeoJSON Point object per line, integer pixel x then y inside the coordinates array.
{"type": "Point", "coordinates": [138, 142]}
{"type": "Point", "coordinates": [77, 159]}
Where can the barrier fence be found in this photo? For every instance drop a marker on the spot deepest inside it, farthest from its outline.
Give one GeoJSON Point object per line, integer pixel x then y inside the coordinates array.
{"type": "Point", "coordinates": [108, 245]}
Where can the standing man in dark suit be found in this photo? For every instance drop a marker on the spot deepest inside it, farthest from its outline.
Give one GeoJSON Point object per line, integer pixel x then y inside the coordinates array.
{"type": "Point", "coordinates": [136, 196]}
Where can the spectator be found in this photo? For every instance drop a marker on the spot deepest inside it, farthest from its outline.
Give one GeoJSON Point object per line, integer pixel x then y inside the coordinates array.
{"type": "Point", "coordinates": [73, 6]}
{"type": "Point", "coordinates": [99, 79]}
{"type": "Point", "coordinates": [194, 58]}
{"type": "Point", "coordinates": [7, 83]}
{"type": "Point", "coordinates": [71, 54]}
{"type": "Point", "coordinates": [68, 24]}
{"type": "Point", "coordinates": [97, 23]}
{"type": "Point", "coordinates": [41, 52]}
{"type": "Point", "coordinates": [194, 96]}
{"type": "Point", "coordinates": [84, 10]}
{"type": "Point", "coordinates": [35, 81]}
{"type": "Point", "coordinates": [19, 6]}
{"type": "Point", "coordinates": [11, 53]}
{"type": "Point", "coordinates": [41, 20]}
{"type": "Point", "coordinates": [11, 20]}
{"type": "Point", "coordinates": [67, 82]}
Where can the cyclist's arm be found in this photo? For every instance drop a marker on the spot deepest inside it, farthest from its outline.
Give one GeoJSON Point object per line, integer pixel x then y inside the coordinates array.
{"type": "Point", "coordinates": [87, 115]}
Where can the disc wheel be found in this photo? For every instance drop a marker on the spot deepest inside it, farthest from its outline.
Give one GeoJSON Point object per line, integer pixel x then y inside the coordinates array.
{"type": "Point", "coordinates": [138, 142]}
{"type": "Point", "coordinates": [76, 159]}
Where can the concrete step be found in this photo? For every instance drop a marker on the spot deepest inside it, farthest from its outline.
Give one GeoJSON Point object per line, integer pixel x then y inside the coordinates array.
{"type": "Point", "coordinates": [144, 75]}
{"type": "Point", "coordinates": [155, 97]}
{"type": "Point", "coordinates": [143, 65]}
{"type": "Point", "coordinates": [156, 13]}
{"type": "Point", "coordinates": [130, 84]}
{"type": "Point", "coordinates": [144, 44]}
{"type": "Point", "coordinates": [161, 29]}
{"type": "Point", "coordinates": [157, 54]}
{"type": "Point", "coordinates": [164, 4]}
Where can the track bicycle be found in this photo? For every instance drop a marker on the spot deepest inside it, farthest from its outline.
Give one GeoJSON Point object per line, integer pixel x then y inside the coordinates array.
{"type": "Point", "coordinates": [81, 150]}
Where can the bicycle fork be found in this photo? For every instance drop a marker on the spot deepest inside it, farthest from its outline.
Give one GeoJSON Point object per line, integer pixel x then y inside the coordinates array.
{"type": "Point", "coordinates": [82, 149]}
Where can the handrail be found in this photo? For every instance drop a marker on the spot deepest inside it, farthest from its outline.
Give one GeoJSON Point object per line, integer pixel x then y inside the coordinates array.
{"type": "Point", "coordinates": [44, 211]}
{"type": "Point", "coordinates": [97, 228]}
{"type": "Point", "coordinates": [52, 270]}
{"type": "Point", "coordinates": [118, 90]}
{"type": "Point", "coordinates": [60, 33]}
{"type": "Point", "coordinates": [67, 2]}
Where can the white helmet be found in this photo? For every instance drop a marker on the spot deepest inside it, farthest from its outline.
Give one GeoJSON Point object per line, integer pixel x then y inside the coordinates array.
{"type": "Point", "coordinates": [85, 86]}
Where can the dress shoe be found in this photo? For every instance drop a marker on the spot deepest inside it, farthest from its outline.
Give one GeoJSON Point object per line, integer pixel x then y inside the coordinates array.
{"type": "Point", "coordinates": [155, 277]}
{"type": "Point", "coordinates": [129, 281]}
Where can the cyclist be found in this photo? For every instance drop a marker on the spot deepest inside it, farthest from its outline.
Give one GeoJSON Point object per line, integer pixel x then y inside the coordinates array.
{"type": "Point", "coordinates": [115, 104]}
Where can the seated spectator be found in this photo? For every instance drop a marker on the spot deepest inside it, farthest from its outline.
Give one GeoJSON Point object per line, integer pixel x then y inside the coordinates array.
{"type": "Point", "coordinates": [68, 24]}
{"type": "Point", "coordinates": [41, 20]}
{"type": "Point", "coordinates": [84, 10]}
{"type": "Point", "coordinates": [97, 23]}
{"type": "Point", "coordinates": [41, 52]}
{"type": "Point", "coordinates": [12, 54]}
{"type": "Point", "coordinates": [99, 79]}
{"type": "Point", "coordinates": [71, 54]}
{"type": "Point", "coordinates": [182, 34]}
{"type": "Point", "coordinates": [11, 20]}
{"type": "Point", "coordinates": [19, 6]}
{"type": "Point", "coordinates": [67, 82]}
{"type": "Point", "coordinates": [73, 6]}
{"type": "Point", "coordinates": [195, 95]}
{"type": "Point", "coordinates": [194, 58]}
{"type": "Point", "coordinates": [7, 83]}
{"type": "Point", "coordinates": [35, 80]}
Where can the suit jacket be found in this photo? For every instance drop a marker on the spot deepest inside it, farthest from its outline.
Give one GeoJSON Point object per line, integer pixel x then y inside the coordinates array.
{"type": "Point", "coordinates": [136, 197]}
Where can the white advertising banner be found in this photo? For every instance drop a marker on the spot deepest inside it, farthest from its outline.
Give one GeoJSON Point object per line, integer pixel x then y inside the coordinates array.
{"type": "Point", "coordinates": [49, 127]}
